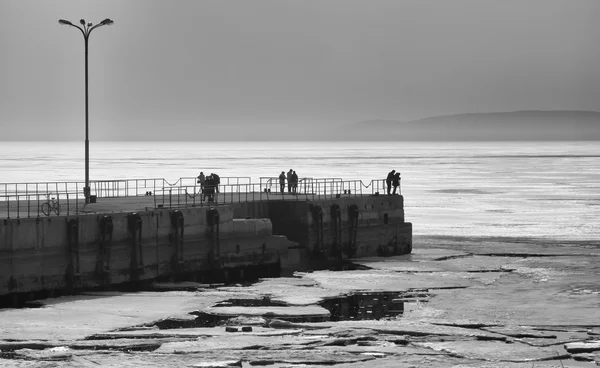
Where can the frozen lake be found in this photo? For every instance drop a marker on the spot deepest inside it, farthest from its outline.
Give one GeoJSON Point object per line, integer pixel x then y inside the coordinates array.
{"type": "Point", "coordinates": [543, 190]}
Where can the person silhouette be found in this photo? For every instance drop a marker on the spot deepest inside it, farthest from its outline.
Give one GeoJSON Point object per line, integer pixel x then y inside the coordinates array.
{"type": "Point", "coordinates": [396, 182]}
{"type": "Point", "coordinates": [388, 181]}
{"type": "Point", "coordinates": [289, 179]}
{"type": "Point", "coordinates": [201, 179]}
{"type": "Point", "coordinates": [294, 182]}
{"type": "Point", "coordinates": [282, 181]}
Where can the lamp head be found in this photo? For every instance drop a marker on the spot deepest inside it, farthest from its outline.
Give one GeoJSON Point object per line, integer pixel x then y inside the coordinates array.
{"type": "Point", "coordinates": [107, 22]}
{"type": "Point", "coordinates": [82, 21]}
{"type": "Point", "coordinates": [89, 24]}
{"type": "Point", "coordinates": [64, 22]}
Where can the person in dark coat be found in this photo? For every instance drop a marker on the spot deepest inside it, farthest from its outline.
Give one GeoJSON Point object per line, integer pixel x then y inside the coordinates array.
{"type": "Point", "coordinates": [282, 181]}
{"type": "Point", "coordinates": [201, 179]}
{"type": "Point", "coordinates": [217, 181]}
{"type": "Point", "coordinates": [208, 191]}
{"type": "Point", "coordinates": [396, 182]}
{"type": "Point", "coordinates": [388, 181]}
{"type": "Point", "coordinates": [289, 179]}
{"type": "Point", "coordinates": [294, 182]}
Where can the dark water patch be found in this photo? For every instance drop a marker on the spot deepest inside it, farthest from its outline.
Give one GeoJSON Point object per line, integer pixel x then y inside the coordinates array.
{"type": "Point", "coordinates": [355, 306]}
{"type": "Point", "coordinates": [445, 258]}
{"type": "Point", "coordinates": [349, 266]}
{"type": "Point", "coordinates": [520, 255]}
{"type": "Point", "coordinates": [133, 348]}
{"type": "Point", "coordinates": [507, 270]}
{"type": "Point", "coordinates": [12, 345]}
{"type": "Point", "coordinates": [8, 355]}
{"type": "Point", "coordinates": [263, 302]}
{"type": "Point", "coordinates": [202, 320]}
{"type": "Point", "coordinates": [370, 305]}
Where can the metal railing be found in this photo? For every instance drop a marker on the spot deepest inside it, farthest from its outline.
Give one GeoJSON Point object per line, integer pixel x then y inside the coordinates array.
{"type": "Point", "coordinates": [267, 190]}
{"type": "Point", "coordinates": [41, 188]}
{"type": "Point", "coordinates": [31, 205]}
{"type": "Point", "coordinates": [305, 184]}
{"type": "Point", "coordinates": [140, 187]}
{"type": "Point", "coordinates": [106, 188]}
{"type": "Point", "coordinates": [196, 195]}
{"type": "Point", "coordinates": [25, 199]}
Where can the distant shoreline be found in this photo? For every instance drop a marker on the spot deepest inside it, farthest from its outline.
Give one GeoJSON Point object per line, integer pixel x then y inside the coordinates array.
{"type": "Point", "coordinates": [525, 125]}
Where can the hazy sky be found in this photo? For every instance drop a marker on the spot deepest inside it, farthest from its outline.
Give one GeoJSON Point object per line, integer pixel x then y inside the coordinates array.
{"type": "Point", "coordinates": [168, 68]}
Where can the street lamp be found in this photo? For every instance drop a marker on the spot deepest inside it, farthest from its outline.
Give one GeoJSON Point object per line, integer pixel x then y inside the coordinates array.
{"type": "Point", "coordinates": [86, 29]}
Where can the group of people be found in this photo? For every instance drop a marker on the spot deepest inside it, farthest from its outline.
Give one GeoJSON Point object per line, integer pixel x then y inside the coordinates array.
{"type": "Point", "coordinates": [292, 179]}
{"type": "Point", "coordinates": [392, 180]}
{"type": "Point", "coordinates": [209, 185]}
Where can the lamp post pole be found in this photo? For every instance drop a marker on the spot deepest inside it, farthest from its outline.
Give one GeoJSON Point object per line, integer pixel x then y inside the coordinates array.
{"type": "Point", "coordinates": [86, 29]}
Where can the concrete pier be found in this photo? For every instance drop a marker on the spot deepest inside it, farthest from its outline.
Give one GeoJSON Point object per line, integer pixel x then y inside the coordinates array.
{"type": "Point", "coordinates": [131, 240]}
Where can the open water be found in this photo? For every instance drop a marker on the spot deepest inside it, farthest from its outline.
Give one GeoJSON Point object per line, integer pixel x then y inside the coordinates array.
{"type": "Point", "coordinates": [541, 190]}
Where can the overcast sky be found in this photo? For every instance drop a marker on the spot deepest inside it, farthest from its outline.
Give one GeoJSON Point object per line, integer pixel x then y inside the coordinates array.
{"type": "Point", "coordinates": [167, 68]}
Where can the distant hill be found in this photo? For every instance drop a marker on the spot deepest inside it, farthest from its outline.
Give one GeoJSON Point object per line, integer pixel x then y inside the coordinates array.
{"type": "Point", "coordinates": [517, 125]}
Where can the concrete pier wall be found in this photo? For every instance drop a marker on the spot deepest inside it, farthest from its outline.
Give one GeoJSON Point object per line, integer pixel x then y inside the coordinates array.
{"type": "Point", "coordinates": [89, 250]}
{"type": "Point", "coordinates": [337, 228]}
{"type": "Point", "coordinates": [76, 252]}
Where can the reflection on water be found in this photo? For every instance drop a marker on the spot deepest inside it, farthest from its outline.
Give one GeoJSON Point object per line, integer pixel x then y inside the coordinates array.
{"type": "Point", "coordinates": [364, 306]}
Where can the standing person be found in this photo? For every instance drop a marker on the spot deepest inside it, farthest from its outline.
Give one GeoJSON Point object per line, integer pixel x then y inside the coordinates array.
{"type": "Point", "coordinates": [289, 179]}
{"type": "Point", "coordinates": [201, 179]}
{"type": "Point", "coordinates": [217, 180]}
{"type": "Point", "coordinates": [282, 181]}
{"type": "Point", "coordinates": [294, 182]}
{"type": "Point", "coordinates": [388, 181]}
{"type": "Point", "coordinates": [209, 189]}
{"type": "Point", "coordinates": [396, 182]}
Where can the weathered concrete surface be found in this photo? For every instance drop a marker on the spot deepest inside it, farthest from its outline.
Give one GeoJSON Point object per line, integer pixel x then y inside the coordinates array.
{"type": "Point", "coordinates": [127, 240]}
{"type": "Point", "coordinates": [483, 303]}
